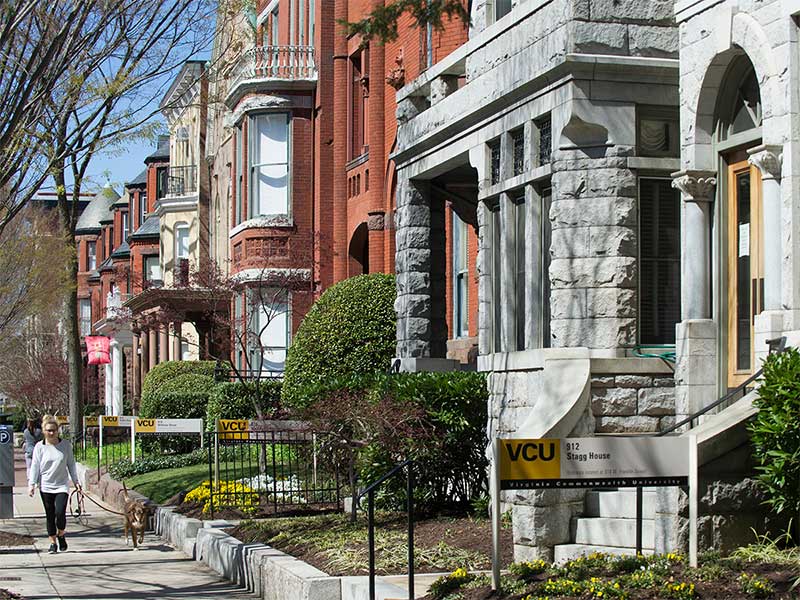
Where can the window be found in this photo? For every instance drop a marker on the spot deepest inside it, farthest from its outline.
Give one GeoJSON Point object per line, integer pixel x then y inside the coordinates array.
{"type": "Point", "coordinates": [501, 8]}
{"type": "Point", "coordinates": [358, 108]}
{"type": "Point", "coordinates": [162, 182]}
{"type": "Point", "coordinates": [142, 207]}
{"type": "Point", "coordinates": [110, 239]}
{"type": "Point", "coordinates": [269, 329]}
{"type": "Point", "coordinates": [269, 164]}
{"type": "Point", "coordinates": [91, 256]}
{"type": "Point", "coordinates": [239, 175]}
{"type": "Point", "coordinates": [125, 231]}
{"type": "Point", "coordinates": [520, 220]}
{"type": "Point", "coordinates": [85, 316]}
{"type": "Point", "coordinates": [518, 149]}
{"type": "Point", "coordinates": [496, 270]}
{"type": "Point", "coordinates": [545, 140]}
{"type": "Point", "coordinates": [152, 269]}
{"type": "Point", "coordinates": [660, 278]}
{"type": "Point", "coordinates": [238, 316]}
{"type": "Point", "coordinates": [460, 278]}
{"type": "Point", "coordinates": [181, 241]}
{"type": "Point", "coordinates": [494, 161]}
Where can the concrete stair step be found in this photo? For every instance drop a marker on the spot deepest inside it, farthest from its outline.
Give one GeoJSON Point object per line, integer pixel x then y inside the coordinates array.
{"type": "Point", "coordinates": [608, 531]}
{"type": "Point", "coordinates": [619, 503]}
{"type": "Point", "coordinates": [564, 552]}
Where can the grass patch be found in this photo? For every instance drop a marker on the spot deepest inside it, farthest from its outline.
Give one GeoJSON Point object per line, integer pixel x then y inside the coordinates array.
{"type": "Point", "coordinates": [162, 485]}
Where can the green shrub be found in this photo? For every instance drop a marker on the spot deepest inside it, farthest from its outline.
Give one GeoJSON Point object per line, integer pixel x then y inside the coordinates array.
{"type": "Point", "coordinates": [235, 400]}
{"type": "Point", "coordinates": [169, 370]}
{"type": "Point", "coordinates": [125, 468]}
{"type": "Point", "coordinates": [446, 584]}
{"type": "Point", "coordinates": [775, 432]}
{"type": "Point", "coordinates": [449, 471]}
{"type": "Point", "coordinates": [350, 330]}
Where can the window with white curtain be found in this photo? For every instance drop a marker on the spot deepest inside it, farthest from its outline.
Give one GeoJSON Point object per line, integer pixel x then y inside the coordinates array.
{"type": "Point", "coordinates": [269, 328]}
{"type": "Point", "coordinates": [86, 316]}
{"type": "Point", "coordinates": [269, 164]}
{"type": "Point", "coordinates": [91, 248]}
{"type": "Point", "coordinates": [181, 241]}
{"type": "Point", "coordinates": [460, 278]}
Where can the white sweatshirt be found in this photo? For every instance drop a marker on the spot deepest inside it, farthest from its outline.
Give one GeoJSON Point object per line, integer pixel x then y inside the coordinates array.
{"type": "Point", "coordinates": [52, 466]}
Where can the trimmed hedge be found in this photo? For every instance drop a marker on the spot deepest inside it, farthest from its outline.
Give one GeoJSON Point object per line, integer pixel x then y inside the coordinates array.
{"type": "Point", "coordinates": [184, 397]}
{"type": "Point", "coordinates": [169, 370]}
{"type": "Point", "coordinates": [350, 330]}
{"type": "Point", "coordinates": [234, 400]}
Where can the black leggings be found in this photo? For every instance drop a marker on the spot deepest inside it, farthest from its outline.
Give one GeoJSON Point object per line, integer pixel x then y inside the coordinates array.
{"type": "Point", "coordinates": [55, 507]}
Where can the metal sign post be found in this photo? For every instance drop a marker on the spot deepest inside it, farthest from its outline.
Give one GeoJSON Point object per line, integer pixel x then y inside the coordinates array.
{"type": "Point", "coordinates": [6, 472]}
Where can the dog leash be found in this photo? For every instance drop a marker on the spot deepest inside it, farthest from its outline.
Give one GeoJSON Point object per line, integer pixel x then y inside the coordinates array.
{"type": "Point", "coordinates": [81, 509]}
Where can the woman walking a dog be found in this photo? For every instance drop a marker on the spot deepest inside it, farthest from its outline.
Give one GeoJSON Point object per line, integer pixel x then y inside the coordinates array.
{"type": "Point", "coordinates": [52, 466]}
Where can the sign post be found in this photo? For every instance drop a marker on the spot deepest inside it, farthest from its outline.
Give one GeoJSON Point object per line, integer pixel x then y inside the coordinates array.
{"type": "Point", "coordinates": [530, 464]}
{"type": "Point", "coordinates": [6, 472]}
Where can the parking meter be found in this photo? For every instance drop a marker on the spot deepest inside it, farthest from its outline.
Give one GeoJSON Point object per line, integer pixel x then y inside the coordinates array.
{"type": "Point", "coordinates": [6, 472]}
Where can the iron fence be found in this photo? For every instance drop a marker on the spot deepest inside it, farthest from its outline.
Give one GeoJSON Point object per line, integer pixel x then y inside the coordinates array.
{"type": "Point", "coordinates": [271, 471]}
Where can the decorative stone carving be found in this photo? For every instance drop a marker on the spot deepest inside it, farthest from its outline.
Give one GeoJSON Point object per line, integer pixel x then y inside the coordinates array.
{"type": "Point", "coordinates": [396, 77]}
{"type": "Point", "coordinates": [376, 221]}
{"type": "Point", "coordinates": [768, 159]}
{"type": "Point", "coordinates": [695, 186]}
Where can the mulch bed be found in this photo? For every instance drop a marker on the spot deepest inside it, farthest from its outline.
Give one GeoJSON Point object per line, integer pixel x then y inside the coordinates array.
{"type": "Point", "coordinates": [726, 588]}
{"type": "Point", "coordinates": [464, 533]}
{"type": "Point", "coordinates": [14, 539]}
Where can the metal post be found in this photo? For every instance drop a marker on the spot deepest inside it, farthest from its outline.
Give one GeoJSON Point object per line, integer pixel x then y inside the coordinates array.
{"type": "Point", "coordinates": [693, 499]}
{"type": "Point", "coordinates": [410, 507]}
{"type": "Point", "coordinates": [638, 520]}
{"type": "Point", "coordinates": [371, 541]}
{"type": "Point", "coordinates": [133, 440]}
{"type": "Point", "coordinates": [100, 449]}
{"type": "Point", "coordinates": [495, 485]}
{"type": "Point", "coordinates": [212, 479]}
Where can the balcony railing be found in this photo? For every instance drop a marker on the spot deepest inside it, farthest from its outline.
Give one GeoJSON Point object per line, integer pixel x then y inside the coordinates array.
{"type": "Point", "coordinates": [114, 305]}
{"type": "Point", "coordinates": [182, 181]}
{"type": "Point", "coordinates": [276, 62]}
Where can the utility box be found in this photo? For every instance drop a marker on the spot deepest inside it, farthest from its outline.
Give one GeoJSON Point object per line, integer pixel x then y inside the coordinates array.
{"type": "Point", "coordinates": [6, 472]}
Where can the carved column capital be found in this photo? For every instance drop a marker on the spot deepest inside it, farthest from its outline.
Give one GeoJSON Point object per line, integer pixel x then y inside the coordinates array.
{"type": "Point", "coordinates": [768, 159]}
{"type": "Point", "coordinates": [376, 221]}
{"type": "Point", "coordinates": [695, 186]}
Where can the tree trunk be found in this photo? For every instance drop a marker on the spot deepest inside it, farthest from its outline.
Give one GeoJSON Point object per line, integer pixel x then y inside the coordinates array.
{"type": "Point", "coordinates": [72, 339]}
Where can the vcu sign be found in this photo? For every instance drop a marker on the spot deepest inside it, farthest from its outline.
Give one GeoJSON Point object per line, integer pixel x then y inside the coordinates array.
{"type": "Point", "coordinates": [529, 459]}
{"type": "Point", "coordinates": [233, 429]}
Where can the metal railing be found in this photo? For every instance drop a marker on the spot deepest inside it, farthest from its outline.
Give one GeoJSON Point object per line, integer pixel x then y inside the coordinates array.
{"type": "Point", "coordinates": [182, 180]}
{"type": "Point", "coordinates": [276, 62]}
{"type": "Point", "coordinates": [272, 472]}
{"type": "Point", "coordinates": [222, 375]}
{"type": "Point", "coordinates": [369, 492]}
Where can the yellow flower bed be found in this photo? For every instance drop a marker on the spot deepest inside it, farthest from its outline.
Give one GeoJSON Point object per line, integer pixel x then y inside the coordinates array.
{"type": "Point", "coordinates": [229, 493]}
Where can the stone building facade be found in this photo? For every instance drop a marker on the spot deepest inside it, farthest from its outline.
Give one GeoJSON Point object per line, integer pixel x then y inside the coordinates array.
{"type": "Point", "coordinates": [582, 140]}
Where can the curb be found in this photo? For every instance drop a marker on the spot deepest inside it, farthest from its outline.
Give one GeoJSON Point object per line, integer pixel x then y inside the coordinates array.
{"type": "Point", "coordinates": [261, 569]}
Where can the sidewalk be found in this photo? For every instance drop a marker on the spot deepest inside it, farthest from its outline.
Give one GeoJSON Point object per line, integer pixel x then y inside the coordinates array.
{"type": "Point", "coordinates": [98, 565]}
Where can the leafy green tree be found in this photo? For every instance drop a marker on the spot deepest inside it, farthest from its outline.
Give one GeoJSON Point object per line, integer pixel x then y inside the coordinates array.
{"type": "Point", "coordinates": [381, 23]}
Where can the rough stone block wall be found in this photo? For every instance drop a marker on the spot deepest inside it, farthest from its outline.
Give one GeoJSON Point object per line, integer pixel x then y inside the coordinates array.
{"type": "Point", "coordinates": [593, 268]}
{"type": "Point", "coordinates": [731, 508]}
{"type": "Point", "coordinates": [633, 403]}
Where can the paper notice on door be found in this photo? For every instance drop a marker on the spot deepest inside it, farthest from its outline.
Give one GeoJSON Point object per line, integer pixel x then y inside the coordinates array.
{"type": "Point", "coordinates": [744, 239]}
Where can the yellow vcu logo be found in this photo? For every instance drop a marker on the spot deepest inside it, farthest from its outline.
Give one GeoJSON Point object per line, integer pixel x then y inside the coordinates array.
{"type": "Point", "coordinates": [234, 429]}
{"type": "Point", "coordinates": [146, 425]}
{"type": "Point", "coordinates": [530, 459]}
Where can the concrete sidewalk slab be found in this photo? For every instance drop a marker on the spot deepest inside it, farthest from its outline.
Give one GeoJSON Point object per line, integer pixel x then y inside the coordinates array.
{"type": "Point", "coordinates": [98, 565]}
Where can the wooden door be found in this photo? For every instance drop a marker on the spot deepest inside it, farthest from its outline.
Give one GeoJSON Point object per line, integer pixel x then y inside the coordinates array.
{"type": "Point", "coordinates": [745, 267]}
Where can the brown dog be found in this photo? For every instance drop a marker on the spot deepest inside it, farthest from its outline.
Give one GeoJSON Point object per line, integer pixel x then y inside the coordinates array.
{"type": "Point", "coordinates": [135, 518]}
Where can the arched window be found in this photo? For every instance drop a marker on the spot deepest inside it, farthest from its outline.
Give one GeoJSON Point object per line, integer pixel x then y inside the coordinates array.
{"type": "Point", "coordinates": [739, 106]}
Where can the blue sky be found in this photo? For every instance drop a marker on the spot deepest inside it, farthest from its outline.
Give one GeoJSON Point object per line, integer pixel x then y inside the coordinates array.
{"type": "Point", "coordinates": [119, 168]}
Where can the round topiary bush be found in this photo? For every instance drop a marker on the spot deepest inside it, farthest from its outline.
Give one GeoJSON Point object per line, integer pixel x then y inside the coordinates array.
{"type": "Point", "coordinates": [349, 331]}
{"type": "Point", "coordinates": [169, 370]}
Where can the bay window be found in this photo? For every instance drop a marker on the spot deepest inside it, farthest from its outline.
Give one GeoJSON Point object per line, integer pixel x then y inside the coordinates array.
{"type": "Point", "coordinates": [269, 164]}
{"type": "Point", "coordinates": [269, 328]}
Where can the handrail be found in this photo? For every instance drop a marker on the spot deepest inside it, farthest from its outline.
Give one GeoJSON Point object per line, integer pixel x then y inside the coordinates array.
{"type": "Point", "coordinates": [742, 388]}
{"type": "Point", "coordinates": [370, 493]}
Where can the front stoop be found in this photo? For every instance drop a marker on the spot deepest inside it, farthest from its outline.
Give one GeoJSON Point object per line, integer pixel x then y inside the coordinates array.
{"type": "Point", "coordinates": [609, 525]}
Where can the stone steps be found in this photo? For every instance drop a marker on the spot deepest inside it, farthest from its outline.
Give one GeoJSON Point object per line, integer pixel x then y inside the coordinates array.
{"type": "Point", "coordinates": [609, 525]}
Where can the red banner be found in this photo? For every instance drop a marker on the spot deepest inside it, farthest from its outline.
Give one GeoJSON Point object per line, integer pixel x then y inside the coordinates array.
{"type": "Point", "coordinates": [97, 349]}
